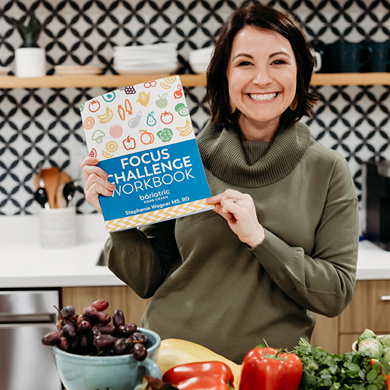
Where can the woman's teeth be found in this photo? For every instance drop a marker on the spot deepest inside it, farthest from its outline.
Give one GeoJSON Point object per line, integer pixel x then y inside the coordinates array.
{"type": "Point", "coordinates": [264, 97]}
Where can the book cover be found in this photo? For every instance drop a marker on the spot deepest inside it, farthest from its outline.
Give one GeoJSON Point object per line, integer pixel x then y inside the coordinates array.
{"type": "Point", "coordinates": [143, 137]}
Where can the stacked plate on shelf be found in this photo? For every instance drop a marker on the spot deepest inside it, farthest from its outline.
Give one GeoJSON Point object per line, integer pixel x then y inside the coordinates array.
{"type": "Point", "coordinates": [199, 59]}
{"type": "Point", "coordinates": [77, 70]}
{"type": "Point", "coordinates": [158, 59]}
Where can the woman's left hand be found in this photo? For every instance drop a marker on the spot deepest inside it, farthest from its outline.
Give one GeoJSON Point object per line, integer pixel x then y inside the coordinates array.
{"type": "Point", "coordinates": [239, 211]}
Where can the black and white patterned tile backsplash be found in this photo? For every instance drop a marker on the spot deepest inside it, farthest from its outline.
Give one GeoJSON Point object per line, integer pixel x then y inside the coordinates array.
{"type": "Point", "coordinates": [42, 127]}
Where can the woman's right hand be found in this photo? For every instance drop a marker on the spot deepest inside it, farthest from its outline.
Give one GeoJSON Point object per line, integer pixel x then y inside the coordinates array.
{"type": "Point", "coordinates": [95, 182]}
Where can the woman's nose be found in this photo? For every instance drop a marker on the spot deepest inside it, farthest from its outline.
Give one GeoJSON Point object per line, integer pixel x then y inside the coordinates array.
{"type": "Point", "coordinates": [262, 77]}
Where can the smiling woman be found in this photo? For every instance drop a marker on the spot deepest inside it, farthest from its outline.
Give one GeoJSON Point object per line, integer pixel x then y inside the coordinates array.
{"type": "Point", "coordinates": [282, 239]}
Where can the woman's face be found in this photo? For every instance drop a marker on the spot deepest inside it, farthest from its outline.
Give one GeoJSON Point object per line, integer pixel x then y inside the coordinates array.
{"type": "Point", "coordinates": [262, 74]}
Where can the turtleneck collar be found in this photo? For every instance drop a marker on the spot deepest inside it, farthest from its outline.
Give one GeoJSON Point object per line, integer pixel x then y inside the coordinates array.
{"type": "Point", "coordinates": [275, 160]}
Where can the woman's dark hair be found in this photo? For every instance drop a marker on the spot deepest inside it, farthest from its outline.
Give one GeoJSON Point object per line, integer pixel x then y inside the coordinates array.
{"type": "Point", "coordinates": [263, 17]}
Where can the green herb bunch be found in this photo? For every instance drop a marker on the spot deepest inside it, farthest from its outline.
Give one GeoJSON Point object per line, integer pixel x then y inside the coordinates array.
{"type": "Point", "coordinates": [29, 33]}
{"type": "Point", "coordinates": [352, 370]}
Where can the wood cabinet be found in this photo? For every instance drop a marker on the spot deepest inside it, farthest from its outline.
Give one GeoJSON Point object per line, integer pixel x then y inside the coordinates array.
{"type": "Point", "coordinates": [119, 297]}
{"type": "Point", "coordinates": [370, 308]}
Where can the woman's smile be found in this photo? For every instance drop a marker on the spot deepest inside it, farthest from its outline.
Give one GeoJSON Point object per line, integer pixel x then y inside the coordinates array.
{"type": "Point", "coordinates": [263, 97]}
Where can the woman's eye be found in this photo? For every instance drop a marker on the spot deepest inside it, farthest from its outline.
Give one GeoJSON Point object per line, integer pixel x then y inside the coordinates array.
{"type": "Point", "coordinates": [244, 63]}
{"type": "Point", "coordinates": [279, 62]}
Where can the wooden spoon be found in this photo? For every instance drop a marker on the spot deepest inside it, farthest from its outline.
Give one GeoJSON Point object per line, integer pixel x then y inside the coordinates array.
{"type": "Point", "coordinates": [50, 177]}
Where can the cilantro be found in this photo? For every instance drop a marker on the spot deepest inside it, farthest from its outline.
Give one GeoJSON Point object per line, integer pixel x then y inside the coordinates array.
{"type": "Point", "coordinates": [351, 371]}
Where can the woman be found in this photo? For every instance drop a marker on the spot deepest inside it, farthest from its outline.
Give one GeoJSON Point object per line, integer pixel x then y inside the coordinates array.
{"type": "Point", "coordinates": [282, 240]}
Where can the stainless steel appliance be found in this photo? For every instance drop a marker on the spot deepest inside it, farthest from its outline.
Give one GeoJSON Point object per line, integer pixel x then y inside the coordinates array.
{"type": "Point", "coordinates": [25, 317]}
{"type": "Point", "coordinates": [378, 203]}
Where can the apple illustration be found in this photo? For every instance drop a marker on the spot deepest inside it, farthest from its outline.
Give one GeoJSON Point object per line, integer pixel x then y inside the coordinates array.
{"type": "Point", "coordinates": [163, 101]}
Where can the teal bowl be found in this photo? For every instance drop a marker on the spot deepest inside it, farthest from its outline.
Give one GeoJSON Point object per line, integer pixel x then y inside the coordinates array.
{"type": "Point", "coordinates": [107, 372]}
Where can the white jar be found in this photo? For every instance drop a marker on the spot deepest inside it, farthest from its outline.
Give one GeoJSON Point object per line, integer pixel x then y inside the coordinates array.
{"type": "Point", "coordinates": [30, 62]}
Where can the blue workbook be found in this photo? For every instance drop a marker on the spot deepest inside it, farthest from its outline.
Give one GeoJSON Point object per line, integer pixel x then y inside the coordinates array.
{"type": "Point", "coordinates": [144, 140]}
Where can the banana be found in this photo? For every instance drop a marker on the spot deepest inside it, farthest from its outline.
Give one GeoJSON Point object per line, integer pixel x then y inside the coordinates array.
{"type": "Point", "coordinates": [105, 118]}
{"type": "Point", "coordinates": [186, 130]}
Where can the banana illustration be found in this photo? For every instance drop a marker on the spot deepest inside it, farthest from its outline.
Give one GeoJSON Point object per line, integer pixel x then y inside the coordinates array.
{"type": "Point", "coordinates": [105, 118]}
{"type": "Point", "coordinates": [186, 130]}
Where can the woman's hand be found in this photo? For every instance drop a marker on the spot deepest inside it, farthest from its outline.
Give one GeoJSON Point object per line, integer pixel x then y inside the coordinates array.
{"type": "Point", "coordinates": [95, 182]}
{"type": "Point", "coordinates": [239, 211]}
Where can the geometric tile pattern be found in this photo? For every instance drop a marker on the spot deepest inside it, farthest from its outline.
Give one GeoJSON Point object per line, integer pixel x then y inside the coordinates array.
{"type": "Point", "coordinates": [42, 127]}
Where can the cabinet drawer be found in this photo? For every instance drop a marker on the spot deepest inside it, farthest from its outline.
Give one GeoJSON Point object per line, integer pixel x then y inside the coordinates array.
{"type": "Point", "coordinates": [368, 309]}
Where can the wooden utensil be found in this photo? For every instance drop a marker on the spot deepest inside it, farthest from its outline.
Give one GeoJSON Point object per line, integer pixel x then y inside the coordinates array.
{"type": "Point", "coordinates": [63, 179]}
{"type": "Point", "coordinates": [50, 177]}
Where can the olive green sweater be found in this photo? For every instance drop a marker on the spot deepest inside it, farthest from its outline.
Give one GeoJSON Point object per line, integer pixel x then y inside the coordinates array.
{"type": "Point", "coordinates": [210, 288]}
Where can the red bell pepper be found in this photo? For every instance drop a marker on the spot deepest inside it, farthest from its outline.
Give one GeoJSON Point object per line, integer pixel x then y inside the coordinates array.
{"type": "Point", "coordinates": [270, 369]}
{"type": "Point", "coordinates": [213, 375]}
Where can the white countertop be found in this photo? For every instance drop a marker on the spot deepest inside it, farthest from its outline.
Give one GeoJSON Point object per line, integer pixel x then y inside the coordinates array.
{"type": "Point", "coordinates": [25, 264]}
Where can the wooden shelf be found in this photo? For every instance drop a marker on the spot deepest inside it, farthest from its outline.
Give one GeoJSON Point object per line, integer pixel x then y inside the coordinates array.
{"type": "Point", "coordinates": [7, 82]}
{"type": "Point", "coordinates": [90, 81]}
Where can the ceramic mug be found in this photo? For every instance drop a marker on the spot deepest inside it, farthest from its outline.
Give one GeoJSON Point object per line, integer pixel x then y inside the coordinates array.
{"type": "Point", "coordinates": [349, 56]}
{"type": "Point", "coordinates": [380, 61]}
{"type": "Point", "coordinates": [317, 60]}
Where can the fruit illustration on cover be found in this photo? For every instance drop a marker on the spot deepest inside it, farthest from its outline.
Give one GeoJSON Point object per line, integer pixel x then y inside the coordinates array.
{"type": "Point", "coordinates": [147, 138]}
{"type": "Point", "coordinates": [179, 92]}
{"type": "Point", "coordinates": [98, 136]}
{"type": "Point", "coordinates": [129, 143]}
{"type": "Point", "coordinates": [151, 120]}
{"type": "Point", "coordinates": [128, 107]}
{"type": "Point", "coordinates": [82, 105]}
{"type": "Point", "coordinates": [112, 146]}
{"type": "Point", "coordinates": [143, 98]}
{"type": "Point", "coordinates": [165, 135]}
{"type": "Point", "coordinates": [109, 97]}
{"type": "Point", "coordinates": [106, 117]}
{"type": "Point", "coordinates": [93, 153]}
{"type": "Point", "coordinates": [186, 130]}
{"type": "Point", "coordinates": [149, 84]}
{"type": "Point", "coordinates": [166, 84]}
{"type": "Point", "coordinates": [130, 90]}
{"type": "Point", "coordinates": [134, 122]}
{"type": "Point", "coordinates": [94, 105]}
{"type": "Point", "coordinates": [181, 109]}
{"type": "Point", "coordinates": [166, 118]}
{"type": "Point", "coordinates": [107, 154]}
{"type": "Point", "coordinates": [163, 101]}
{"type": "Point", "coordinates": [89, 123]}
{"type": "Point", "coordinates": [121, 112]}
{"type": "Point", "coordinates": [116, 131]}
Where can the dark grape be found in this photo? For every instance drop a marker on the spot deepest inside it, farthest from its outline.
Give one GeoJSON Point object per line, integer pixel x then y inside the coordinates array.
{"type": "Point", "coordinates": [65, 346]}
{"type": "Point", "coordinates": [122, 346]}
{"type": "Point", "coordinates": [123, 331]}
{"type": "Point", "coordinates": [96, 331]}
{"type": "Point", "coordinates": [68, 311]}
{"type": "Point", "coordinates": [100, 304]}
{"type": "Point", "coordinates": [85, 343]}
{"type": "Point", "coordinates": [51, 339]}
{"type": "Point", "coordinates": [139, 352]}
{"type": "Point", "coordinates": [107, 329]}
{"type": "Point", "coordinates": [102, 317]}
{"type": "Point", "coordinates": [90, 313]}
{"type": "Point", "coordinates": [104, 341]}
{"type": "Point", "coordinates": [132, 327]}
{"type": "Point", "coordinates": [69, 332]}
{"type": "Point", "coordinates": [85, 326]}
{"type": "Point", "coordinates": [118, 318]}
{"type": "Point", "coordinates": [80, 318]}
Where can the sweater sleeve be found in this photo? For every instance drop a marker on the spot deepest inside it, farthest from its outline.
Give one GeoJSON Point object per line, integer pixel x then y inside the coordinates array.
{"type": "Point", "coordinates": [324, 281]}
{"type": "Point", "coordinates": [142, 258]}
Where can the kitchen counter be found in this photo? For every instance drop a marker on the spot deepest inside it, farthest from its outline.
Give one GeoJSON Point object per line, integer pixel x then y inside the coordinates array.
{"type": "Point", "coordinates": [24, 264]}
